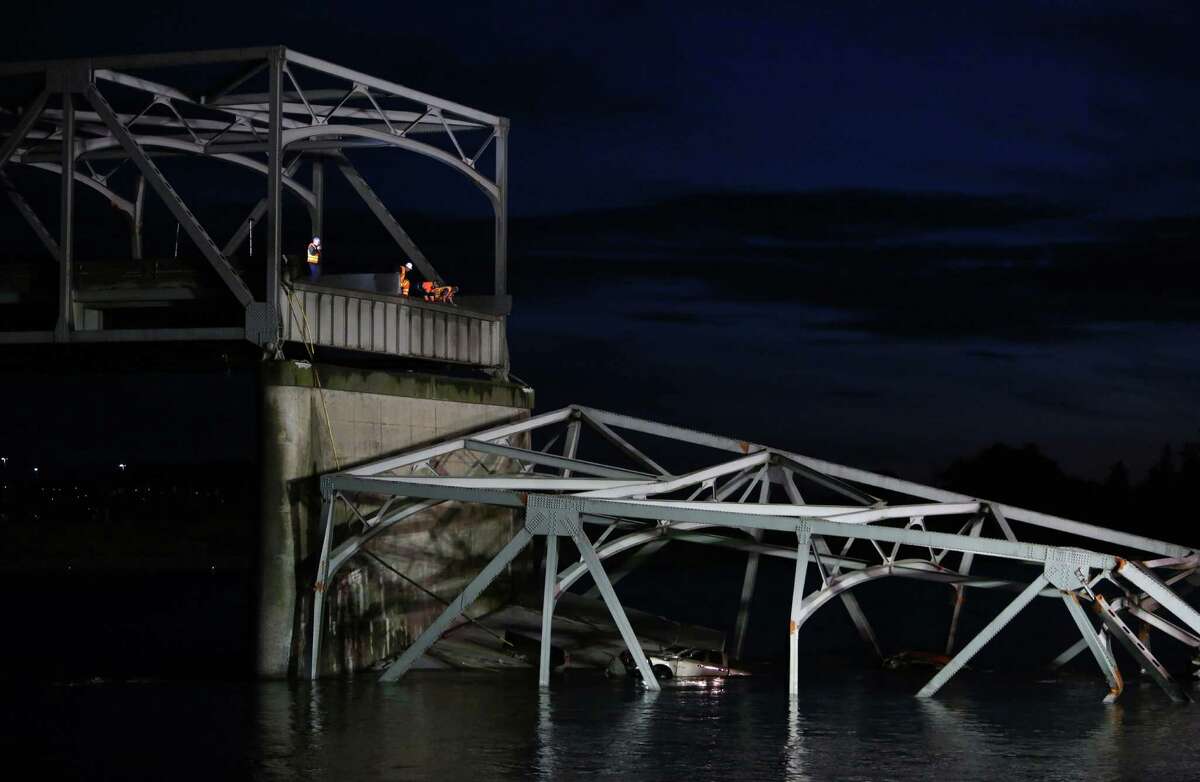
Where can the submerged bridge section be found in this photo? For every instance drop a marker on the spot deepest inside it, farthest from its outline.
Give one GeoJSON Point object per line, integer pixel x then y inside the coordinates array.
{"type": "Point", "coordinates": [612, 494]}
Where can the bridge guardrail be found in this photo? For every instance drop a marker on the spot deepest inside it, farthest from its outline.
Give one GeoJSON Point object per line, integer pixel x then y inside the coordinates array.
{"type": "Point", "coordinates": [392, 325]}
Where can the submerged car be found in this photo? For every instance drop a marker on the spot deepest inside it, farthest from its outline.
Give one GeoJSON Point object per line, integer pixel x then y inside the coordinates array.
{"type": "Point", "coordinates": [686, 664]}
{"type": "Point", "coordinates": [916, 659]}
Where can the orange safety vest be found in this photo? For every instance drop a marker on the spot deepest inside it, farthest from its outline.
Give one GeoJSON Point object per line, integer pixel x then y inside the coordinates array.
{"type": "Point", "coordinates": [314, 253]}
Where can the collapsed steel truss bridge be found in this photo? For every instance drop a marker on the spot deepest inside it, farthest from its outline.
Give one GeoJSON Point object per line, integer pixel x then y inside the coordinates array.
{"type": "Point", "coordinates": [270, 110]}
{"type": "Point", "coordinates": [883, 527]}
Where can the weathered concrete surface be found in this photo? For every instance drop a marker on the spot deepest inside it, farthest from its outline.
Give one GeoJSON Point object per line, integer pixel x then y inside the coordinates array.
{"type": "Point", "coordinates": [371, 612]}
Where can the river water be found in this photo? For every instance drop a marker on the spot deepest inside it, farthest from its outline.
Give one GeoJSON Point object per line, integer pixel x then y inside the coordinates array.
{"type": "Point", "coordinates": [847, 724]}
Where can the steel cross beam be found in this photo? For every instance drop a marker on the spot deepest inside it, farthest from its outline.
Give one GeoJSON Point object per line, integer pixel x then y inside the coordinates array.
{"type": "Point", "coordinates": [256, 215]}
{"type": "Point", "coordinates": [30, 216]}
{"type": "Point", "coordinates": [804, 537]}
{"type": "Point", "coordinates": [1139, 651]}
{"type": "Point", "coordinates": [550, 460]}
{"type": "Point", "coordinates": [457, 606]}
{"type": "Point", "coordinates": [588, 553]}
{"type": "Point", "coordinates": [380, 210]}
{"type": "Point", "coordinates": [172, 200]}
{"type": "Point", "coordinates": [1138, 574]}
{"type": "Point", "coordinates": [751, 574]}
{"type": "Point", "coordinates": [1108, 666]}
{"type": "Point", "coordinates": [986, 634]}
{"type": "Point", "coordinates": [26, 122]}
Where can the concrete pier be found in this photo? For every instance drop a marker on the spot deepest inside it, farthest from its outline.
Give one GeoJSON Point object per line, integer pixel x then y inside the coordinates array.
{"type": "Point", "coordinates": [371, 613]}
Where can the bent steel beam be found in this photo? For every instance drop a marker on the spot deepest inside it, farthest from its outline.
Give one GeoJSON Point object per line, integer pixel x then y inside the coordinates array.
{"type": "Point", "coordinates": [1137, 542]}
{"type": "Point", "coordinates": [1108, 666]}
{"type": "Point", "coordinates": [877, 480]}
{"type": "Point", "coordinates": [1137, 649]}
{"type": "Point", "coordinates": [172, 200]}
{"type": "Point", "coordinates": [1141, 576]}
{"type": "Point", "coordinates": [1164, 626]}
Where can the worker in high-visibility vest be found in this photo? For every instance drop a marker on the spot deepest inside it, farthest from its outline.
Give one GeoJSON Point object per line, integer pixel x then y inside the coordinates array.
{"type": "Point", "coordinates": [442, 294]}
{"type": "Point", "coordinates": [405, 283]}
{"type": "Point", "coordinates": [314, 258]}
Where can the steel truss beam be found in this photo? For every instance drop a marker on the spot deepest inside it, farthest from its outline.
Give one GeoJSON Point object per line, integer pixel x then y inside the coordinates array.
{"type": "Point", "coordinates": [365, 112]}
{"type": "Point", "coordinates": [30, 216]}
{"type": "Point", "coordinates": [1093, 641]}
{"type": "Point", "coordinates": [385, 218]}
{"type": "Point", "coordinates": [172, 200]}
{"type": "Point", "coordinates": [27, 120]}
{"type": "Point", "coordinates": [986, 634]}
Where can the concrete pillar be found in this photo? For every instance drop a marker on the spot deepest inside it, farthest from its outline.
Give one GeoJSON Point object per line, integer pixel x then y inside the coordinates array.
{"type": "Point", "coordinates": [370, 413]}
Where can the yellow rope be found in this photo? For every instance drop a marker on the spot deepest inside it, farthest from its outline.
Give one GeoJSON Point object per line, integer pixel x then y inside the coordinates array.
{"type": "Point", "coordinates": [312, 357]}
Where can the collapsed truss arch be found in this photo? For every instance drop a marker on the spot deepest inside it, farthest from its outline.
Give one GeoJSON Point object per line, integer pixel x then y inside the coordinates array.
{"type": "Point", "coordinates": [556, 504]}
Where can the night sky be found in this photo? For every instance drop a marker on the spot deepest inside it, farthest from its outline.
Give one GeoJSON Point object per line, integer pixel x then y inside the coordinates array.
{"type": "Point", "coordinates": [889, 234]}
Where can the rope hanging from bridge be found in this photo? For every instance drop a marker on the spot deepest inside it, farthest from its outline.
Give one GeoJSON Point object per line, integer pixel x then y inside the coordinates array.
{"type": "Point", "coordinates": [302, 323]}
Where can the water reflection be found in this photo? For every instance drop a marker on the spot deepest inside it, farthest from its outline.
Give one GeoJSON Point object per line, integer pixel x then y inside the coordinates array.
{"type": "Point", "coordinates": [456, 726]}
{"type": "Point", "coordinates": [545, 750]}
{"type": "Point", "coordinates": [795, 751]}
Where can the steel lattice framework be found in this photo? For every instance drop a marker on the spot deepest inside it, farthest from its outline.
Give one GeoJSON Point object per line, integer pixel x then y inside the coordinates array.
{"type": "Point", "coordinates": [886, 527]}
{"type": "Point", "coordinates": [282, 110]}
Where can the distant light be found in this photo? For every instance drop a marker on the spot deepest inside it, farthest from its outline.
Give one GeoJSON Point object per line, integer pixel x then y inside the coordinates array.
{"type": "Point", "coordinates": [4, 460]}
{"type": "Point", "coordinates": [122, 466]}
{"type": "Point", "coordinates": [35, 469]}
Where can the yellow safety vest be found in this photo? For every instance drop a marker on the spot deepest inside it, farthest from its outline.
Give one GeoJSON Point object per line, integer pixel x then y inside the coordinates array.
{"type": "Point", "coordinates": [314, 254]}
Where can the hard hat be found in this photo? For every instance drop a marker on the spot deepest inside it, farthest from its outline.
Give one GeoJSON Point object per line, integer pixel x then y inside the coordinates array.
{"type": "Point", "coordinates": [408, 266]}
{"type": "Point", "coordinates": [316, 240]}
